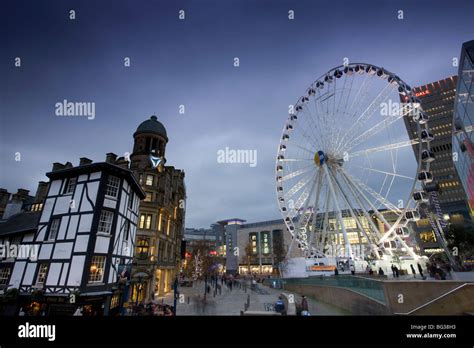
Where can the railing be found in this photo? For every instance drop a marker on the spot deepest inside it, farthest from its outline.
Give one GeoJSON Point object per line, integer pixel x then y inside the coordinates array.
{"type": "Point", "coordinates": [367, 287]}
{"type": "Point", "coordinates": [434, 300]}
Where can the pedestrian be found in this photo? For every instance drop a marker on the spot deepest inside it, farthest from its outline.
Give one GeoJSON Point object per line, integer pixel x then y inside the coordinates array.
{"type": "Point", "coordinates": [352, 268]}
{"type": "Point", "coordinates": [371, 271]}
{"type": "Point", "coordinates": [420, 270]}
{"type": "Point", "coordinates": [413, 270]}
{"type": "Point", "coordinates": [381, 272]}
{"type": "Point", "coordinates": [393, 270]}
{"type": "Point", "coordinates": [304, 304]}
{"type": "Point", "coordinates": [397, 272]}
{"type": "Point", "coordinates": [279, 305]}
{"type": "Point", "coordinates": [336, 272]}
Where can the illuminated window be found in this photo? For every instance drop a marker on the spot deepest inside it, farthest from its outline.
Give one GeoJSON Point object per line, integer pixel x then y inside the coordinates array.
{"type": "Point", "coordinates": [5, 275]}
{"type": "Point", "coordinates": [145, 221]}
{"type": "Point", "coordinates": [148, 197]}
{"type": "Point", "coordinates": [96, 272]}
{"type": "Point", "coordinates": [253, 243]}
{"type": "Point", "coordinates": [428, 237]}
{"type": "Point", "coordinates": [43, 270]}
{"type": "Point", "coordinates": [149, 180]}
{"type": "Point", "coordinates": [142, 248]}
{"type": "Point", "coordinates": [265, 243]}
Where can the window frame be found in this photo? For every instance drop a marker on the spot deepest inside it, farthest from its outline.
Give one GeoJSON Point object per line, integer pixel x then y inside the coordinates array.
{"type": "Point", "coordinates": [110, 186]}
{"type": "Point", "coordinates": [5, 274]}
{"type": "Point", "coordinates": [102, 223]}
{"type": "Point", "coordinates": [94, 260]}
{"type": "Point", "coordinates": [56, 230]}
{"type": "Point", "coordinates": [67, 187]}
{"type": "Point", "coordinates": [43, 269]}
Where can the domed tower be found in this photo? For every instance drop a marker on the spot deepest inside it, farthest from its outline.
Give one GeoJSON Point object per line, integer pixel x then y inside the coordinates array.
{"type": "Point", "coordinates": [149, 138]}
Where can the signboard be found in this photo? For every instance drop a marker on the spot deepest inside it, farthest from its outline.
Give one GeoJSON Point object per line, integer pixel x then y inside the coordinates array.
{"type": "Point", "coordinates": [322, 268]}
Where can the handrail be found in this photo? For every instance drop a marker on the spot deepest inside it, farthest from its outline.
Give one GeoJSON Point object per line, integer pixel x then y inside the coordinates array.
{"type": "Point", "coordinates": [435, 299]}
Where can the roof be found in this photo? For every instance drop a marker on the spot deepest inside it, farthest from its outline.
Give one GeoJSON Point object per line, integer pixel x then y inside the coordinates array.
{"type": "Point", "coordinates": [99, 166]}
{"type": "Point", "coordinates": [20, 223]}
{"type": "Point", "coordinates": [152, 126]}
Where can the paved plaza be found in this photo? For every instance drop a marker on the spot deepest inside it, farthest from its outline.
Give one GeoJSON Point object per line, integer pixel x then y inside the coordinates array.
{"type": "Point", "coordinates": [231, 302]}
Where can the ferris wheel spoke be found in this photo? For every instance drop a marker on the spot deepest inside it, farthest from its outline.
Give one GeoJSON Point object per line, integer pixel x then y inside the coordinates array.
{"type": "Point", "coordinates": [302, 221]}
{"type": "Point", "coordinates": [298, 186]}
{"type": "Point", "coordinates": [369, 111]}
{"type": "Point", "coordinates": [384, 172]}
{"type": "Point", "coordinates": [299, 172]}
{"type": "Point", "coordinates": [364, 197]}
{"type": "Point", "coordinates": [356, 217]}
{"type": "Point", "coordinates": [311, 126]}
{"type": "Point", "coordinates": [348, 248]}
{"type": "Point", "coordinates": [356, 103]}
{"type": "Point", "coordinates": [378, 197]}
{"type": "Point", "coordinates": [296, 159]}
{"type": "Point", "coordinates": [387, 122]}
{"type": "Point", "coordinates": [358, 199]}
{"type": "Point", "coordinates": [301, 129]}
{"type": "Point", "coordinates": [382, 148]}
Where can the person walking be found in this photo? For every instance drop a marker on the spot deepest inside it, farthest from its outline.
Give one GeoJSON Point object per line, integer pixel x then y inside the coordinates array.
{"type": "Point", "coordinates": [393, 270]}
{"type": "Point", "coordinates": [420, 270]}
{"type": "Point", "coordinates": [304, 306]}
{"type": "Point", "coordinates": [352, 268]}
{"type": "Point", "coordinates": [397, 271]}
{"type": "Point", "coordinates": [413, 270]}
{"type": "Point", "coordinates": [279, 305]}
{"type": "Point", "coordinates": [381, 272]}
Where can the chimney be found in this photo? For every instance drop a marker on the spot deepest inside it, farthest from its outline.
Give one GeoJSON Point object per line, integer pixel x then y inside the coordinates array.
{"type": "Point", "coordinates": [4, 197]}
{"type": "Point", "coordinates": [68, 165]}
{"type": "Point", "coordinates": [41, 191]}
{"type": "Point", "coordinates": [57, 166]}
{"type": "Point", "coordinates": [84, 161]}
{"type": "Point", "coordinates": [122, 162]}
{"type": "Point", "coordinates": [21, 195]}
{"type": "Point", "coordinates": [110, 158]}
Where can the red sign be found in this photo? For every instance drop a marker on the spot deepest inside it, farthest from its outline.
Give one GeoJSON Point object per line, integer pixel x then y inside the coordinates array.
{"type": "Point", "coordinates": [422, 93]}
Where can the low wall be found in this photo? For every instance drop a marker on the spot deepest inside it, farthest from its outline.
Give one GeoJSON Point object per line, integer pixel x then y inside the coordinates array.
{"type": "Point", "coordinates": [404, 297]}
{"type": "Point", "coordinates": [351, 301]}
{"type": "Point", "coordinates": [400, 297]}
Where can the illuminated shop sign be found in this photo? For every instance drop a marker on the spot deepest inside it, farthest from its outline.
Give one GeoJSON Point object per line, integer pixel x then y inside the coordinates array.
{"type": "Point", "coordinates": [422, 93]}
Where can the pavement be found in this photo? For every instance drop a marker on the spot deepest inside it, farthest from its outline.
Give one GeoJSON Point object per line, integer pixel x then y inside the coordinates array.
{"type": "Point", "coordinates": [231, 302]}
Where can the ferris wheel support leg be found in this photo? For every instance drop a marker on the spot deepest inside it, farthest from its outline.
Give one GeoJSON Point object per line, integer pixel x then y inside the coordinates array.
{"type": "Point", "coordinates": [338, 214]}
{"type": "Point", "coordinates": [376, 212]}
{"type": "Point", "coordinates": [316, 202]}
{"type": "Point", "coordinates": [325, 224]}
{"type": "Point", "coordinates": [357, 220]}
{"type": "Point", "coordinates": [380, 216]}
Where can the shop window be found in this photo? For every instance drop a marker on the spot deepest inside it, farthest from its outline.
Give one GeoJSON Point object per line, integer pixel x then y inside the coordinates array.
{"type": "Point", "coordinates": [96, 272]}
{"type": "Point", "coordinates": [142, 248]}
{"type": "Point", "coordinates": [5, 275]}
{"type": "Point", "coordinates": [43, 270]}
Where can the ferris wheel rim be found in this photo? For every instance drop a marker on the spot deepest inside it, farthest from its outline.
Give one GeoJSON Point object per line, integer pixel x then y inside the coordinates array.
{"type": "Point", "coordinates": [410, 98]}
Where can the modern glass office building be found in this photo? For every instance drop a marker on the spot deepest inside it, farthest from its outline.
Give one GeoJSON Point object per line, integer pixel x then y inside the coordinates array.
{"type": "Point", "coordinates": [463, 121]}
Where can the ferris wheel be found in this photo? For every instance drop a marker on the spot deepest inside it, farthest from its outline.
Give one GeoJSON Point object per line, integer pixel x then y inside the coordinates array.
{"type": "Point", "coordinates": [349, 178]}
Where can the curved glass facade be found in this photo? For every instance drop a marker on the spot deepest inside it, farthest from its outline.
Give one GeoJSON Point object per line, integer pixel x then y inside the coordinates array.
{"type": "Point", "coordinates": [463, 151]}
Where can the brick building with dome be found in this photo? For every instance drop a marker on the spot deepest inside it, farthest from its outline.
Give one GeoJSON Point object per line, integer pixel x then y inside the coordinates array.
{"type": "Point", "coordinates": [160, 226]}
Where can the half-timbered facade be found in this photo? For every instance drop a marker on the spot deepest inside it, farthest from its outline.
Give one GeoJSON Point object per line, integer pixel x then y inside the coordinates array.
{"type": "Point", "coordinates": [85, 238]}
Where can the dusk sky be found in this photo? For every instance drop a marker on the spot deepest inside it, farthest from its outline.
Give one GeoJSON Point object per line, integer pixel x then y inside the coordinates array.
{"type": "Point", "coordinates": [190, 62]}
